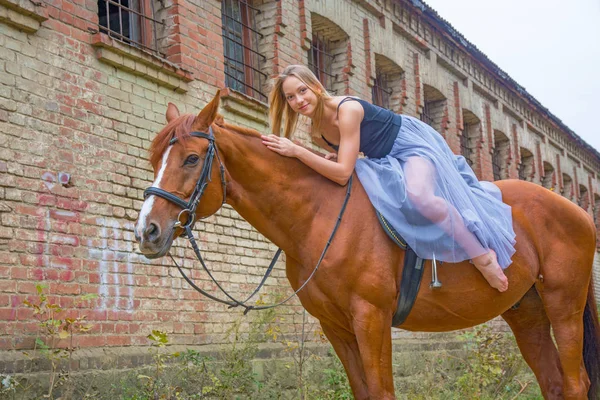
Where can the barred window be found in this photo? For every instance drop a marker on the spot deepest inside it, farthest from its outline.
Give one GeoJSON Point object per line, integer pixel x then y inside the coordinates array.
{"type": "Point", "coordinates": [426, 114]}
{"type": "Point", "coordinates": [525, 168]}
{"type": "Point", "coordinates": [521, 172]}
{"type": "Point", "coordinates": [548, 181]}
{"type": "Point", "coordinates": [465, 148]}
{"type": "Point", "coordinates": [320, 61]}
{"type": "Point", "coordinates": [328, 55]}
{"type": "Point", "coordinates": [500, 156]}
{"type": "Point", "coordinates": [584, 199]}
{"type": "Point", "coordinates": [596, 211]}
{"type": "Point", "coordinates": [387, 85]}
{"type": "Point", "coordinates": [130, 21]}
{"type": "Point", "coordinates": [469, 135]}
{"type": "Point", "coordinates": [381, 91]}
{"type": "Point", "coordinates": [434, 103]}
{"type": "Point", "coordinates": [567, 187]}
{"type": "Point", "coordinates": [240, 48]}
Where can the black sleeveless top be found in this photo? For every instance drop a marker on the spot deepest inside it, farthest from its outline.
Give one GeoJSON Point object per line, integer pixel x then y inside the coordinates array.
{"type": "Point", "coordinates": [378, 129]}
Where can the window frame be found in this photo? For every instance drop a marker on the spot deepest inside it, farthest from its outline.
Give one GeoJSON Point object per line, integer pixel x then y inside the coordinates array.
{"type": "Point", "coordinates": [243, 73]}
{"type": "Point", "coordinates": [141, 24]}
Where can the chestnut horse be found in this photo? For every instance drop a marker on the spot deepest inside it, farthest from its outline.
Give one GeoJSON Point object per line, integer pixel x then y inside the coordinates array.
{"type": "Point", "coordinates": [354, 293]}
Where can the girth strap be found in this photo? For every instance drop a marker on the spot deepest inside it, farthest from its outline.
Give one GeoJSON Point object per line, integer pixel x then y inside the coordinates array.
{"type": "Point", "coordinates": [412, 274]}
{"type": "Point", "coordinates": [409, 286]}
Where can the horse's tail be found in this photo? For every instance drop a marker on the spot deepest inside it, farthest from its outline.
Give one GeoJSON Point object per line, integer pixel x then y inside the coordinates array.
{"type": "Point", "coordinates": [591, 344]}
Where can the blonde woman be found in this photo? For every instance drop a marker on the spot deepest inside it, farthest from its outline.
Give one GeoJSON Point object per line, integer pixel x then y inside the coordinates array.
{"type": "Point", "coordinates": [429, 195]}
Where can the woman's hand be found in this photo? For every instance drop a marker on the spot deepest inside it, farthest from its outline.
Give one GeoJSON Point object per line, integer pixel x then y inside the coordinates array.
{"type": "Point", "coordinates": [280, 145]}
{"type": "Point", "coordinates": [331, 156]}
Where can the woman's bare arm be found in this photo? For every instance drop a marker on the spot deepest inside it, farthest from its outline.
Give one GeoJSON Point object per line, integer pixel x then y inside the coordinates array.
{"type": "Point", "coordinates": [349, 118]}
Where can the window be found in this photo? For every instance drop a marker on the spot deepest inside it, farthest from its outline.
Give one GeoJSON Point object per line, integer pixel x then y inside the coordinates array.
{"type": "Point", "coordinates": [381, 91]}
{"type": "Point", "coordinates": [567, 187]}
{"type": "Point", "coordinates": [240, 49]}
{"type": "Point", "coordinates": [320, 61]}
{"type": "Point", "coordinates": [388, 80]}
{"type": "Point", "coordinates": [328, 55]}
{"type": "Point", "coordinates": [434, 103]}
{"type": "Point", "coordinates": [469, 135]}
{"type": "Point", "coordinates": [584, 198]}
{"type": "Point", "coordinates": [500, 156]}
{"type": "Point", "coordinates": [526, 166]}
{"type": "Point", "coordinates": [130, 21]}
{"type": "Point", "coordinates": [548, 181]}
{"type": "Point", "coordinates": [596, 212]}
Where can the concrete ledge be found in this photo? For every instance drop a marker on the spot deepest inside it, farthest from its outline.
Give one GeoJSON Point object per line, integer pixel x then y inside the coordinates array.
{"type": "Point", "coordinates": [24, 15]}
{"type": "Point", "coordinates": [245, 106]}
{"type": "Point", "coordinates": [111, 358]}
{"type": "Point", "coordinates": [141, 63]}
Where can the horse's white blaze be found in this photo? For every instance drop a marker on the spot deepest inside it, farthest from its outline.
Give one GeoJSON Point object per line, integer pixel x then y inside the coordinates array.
{"type": "Point", "coordinates": [149, 202]}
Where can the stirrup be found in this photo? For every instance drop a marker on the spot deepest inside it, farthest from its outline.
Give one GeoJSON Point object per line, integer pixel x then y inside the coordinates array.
{"type": "Point", "coordinates": [435, 283]}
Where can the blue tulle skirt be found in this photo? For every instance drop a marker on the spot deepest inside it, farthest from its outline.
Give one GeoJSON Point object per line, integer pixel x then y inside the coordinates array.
{"type": "Point", "coordinates": [420, 153]}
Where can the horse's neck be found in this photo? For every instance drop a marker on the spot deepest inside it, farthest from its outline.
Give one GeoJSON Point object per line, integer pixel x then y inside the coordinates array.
{"type": "Point", "coordinates": [278, 196]}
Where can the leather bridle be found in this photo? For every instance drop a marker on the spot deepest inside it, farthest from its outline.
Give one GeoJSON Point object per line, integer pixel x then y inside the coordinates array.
{"type": "Point", "coordinates": [189, 212]}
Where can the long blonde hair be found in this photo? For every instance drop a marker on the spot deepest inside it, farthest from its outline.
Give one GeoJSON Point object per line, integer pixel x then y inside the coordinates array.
{"type": "Point", "coordinates": [280, 110]}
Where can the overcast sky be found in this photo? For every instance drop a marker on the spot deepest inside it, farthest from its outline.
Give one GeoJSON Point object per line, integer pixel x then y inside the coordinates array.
{"type": "Point", "coordinates": [550, 47]}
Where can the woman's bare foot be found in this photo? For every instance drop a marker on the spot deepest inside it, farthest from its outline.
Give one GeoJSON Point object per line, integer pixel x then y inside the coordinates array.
{"type": "Point", "coordinates": [488, 265]}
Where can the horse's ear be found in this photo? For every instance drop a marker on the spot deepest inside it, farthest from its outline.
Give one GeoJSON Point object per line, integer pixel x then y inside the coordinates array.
{"type": "Point", "coordinates": [208, 114]}
{"type": "Point", "coordinates": [219, 120]}
{"type": "Point", "coordinates": [172, 112]}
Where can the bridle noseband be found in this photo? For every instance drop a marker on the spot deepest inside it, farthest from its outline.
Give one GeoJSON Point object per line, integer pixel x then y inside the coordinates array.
{"type": "Point", "coordinates": [189, 208]}
{"type": "Point", "coordinates": [189, 211]}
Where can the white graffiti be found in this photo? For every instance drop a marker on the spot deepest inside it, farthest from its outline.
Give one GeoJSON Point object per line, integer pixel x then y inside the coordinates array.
{"type": "Point", "coordinates": [113, 283]}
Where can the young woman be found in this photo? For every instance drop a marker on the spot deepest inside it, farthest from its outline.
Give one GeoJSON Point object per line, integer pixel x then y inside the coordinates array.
{"type": "Point", "coordinates": [429, 195]}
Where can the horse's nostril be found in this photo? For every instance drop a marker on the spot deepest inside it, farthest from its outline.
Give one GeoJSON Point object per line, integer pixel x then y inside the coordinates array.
{"type": "Point", "coordinates": [152, 232]}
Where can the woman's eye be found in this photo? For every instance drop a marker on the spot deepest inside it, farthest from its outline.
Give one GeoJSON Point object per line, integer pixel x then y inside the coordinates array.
{"type": "Point", "coordinates": [192, 160]}
{"type": "Point", "coordinates": [302, 90]}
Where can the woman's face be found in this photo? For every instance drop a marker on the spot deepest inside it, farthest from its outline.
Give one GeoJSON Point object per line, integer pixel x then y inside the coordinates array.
{"type": "Point", "coordinates": [299, 96]}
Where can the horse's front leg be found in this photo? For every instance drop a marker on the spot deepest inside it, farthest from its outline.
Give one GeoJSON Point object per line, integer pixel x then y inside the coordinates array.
{"type": "Point", "coordinates": [346, 347]}
{"type": "Point", "coordinates": [373, 330]}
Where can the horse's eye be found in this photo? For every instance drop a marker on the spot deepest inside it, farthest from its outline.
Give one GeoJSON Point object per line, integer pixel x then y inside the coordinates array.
{"type": "Point", "coordinates": [192, 160]}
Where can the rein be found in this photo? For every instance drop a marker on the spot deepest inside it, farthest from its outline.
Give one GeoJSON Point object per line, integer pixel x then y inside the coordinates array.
{"type": "Point", "coordinates": [189, 212]}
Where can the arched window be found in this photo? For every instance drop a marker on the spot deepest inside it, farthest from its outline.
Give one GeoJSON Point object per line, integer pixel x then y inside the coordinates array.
{"type": "Point", "coordinates": [500, 156]}
{"type": "Point", "coordinates": [327, 55]}
{"type": "Point", "coordinates": [549, 180]}
{"type": "Point", "coordinates": [386, 87]}
{"type": "Point", "coordinates": [596, 212]}
{"type": "Point", "coordinates": [433, 107]}
{"type": "Point", "coordinates": [468, 138]}
{"type": "Point", "coordinates": [584, 197]}
{"type": "Point", "coordinates": [526, 165]}
{"type": "Point", "coordinates": [567, 187]}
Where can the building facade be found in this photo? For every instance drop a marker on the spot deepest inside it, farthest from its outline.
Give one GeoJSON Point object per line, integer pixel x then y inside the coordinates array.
{"type": "Point", "coordinates": [84, 87]}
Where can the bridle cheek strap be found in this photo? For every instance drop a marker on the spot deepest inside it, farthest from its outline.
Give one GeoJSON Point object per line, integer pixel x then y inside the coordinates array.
{"type": "Point", "coordinates": [189, 207]}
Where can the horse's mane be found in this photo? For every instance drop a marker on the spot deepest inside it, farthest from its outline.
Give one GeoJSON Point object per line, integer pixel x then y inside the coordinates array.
{"type": "Point", "coordinates": [180, 128]}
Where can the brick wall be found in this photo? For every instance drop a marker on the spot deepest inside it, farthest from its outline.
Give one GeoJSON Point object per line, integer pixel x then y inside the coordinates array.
{"type": "Point", "coordinates": [74, 101]}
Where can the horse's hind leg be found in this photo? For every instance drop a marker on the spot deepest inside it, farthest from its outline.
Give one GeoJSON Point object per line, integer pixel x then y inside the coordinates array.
{"type": "Point", "coordinates": [531, 328]}
{"type": "Point", "coordinates": [565, 306]}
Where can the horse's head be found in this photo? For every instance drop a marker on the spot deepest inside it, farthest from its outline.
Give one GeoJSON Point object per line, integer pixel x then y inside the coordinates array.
{"type": "Point", "coordinates": [188, 180]}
